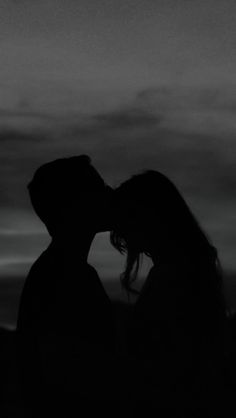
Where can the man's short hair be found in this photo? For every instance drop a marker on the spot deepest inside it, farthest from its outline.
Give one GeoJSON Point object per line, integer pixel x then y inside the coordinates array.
{"type": "Point", "coordinates": [59, 183]}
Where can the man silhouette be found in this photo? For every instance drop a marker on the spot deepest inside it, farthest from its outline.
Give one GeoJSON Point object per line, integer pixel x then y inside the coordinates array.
{"type": "Point", "coordinates": [65, 320]}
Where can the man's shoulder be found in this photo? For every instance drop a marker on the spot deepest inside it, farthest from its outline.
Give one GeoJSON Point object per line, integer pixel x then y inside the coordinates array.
{"type": "Point", "coordinates": [40, 263]}
{"type": "Point", "coordinates": [39, 273]}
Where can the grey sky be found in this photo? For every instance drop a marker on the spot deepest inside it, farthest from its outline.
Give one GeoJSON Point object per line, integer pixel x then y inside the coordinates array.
{"type": "Point", "coordinates": [122, 43]}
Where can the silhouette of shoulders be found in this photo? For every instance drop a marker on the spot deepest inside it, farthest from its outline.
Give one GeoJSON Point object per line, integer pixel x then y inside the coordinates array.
{"type": "Point", "coordinates": [63, 295]}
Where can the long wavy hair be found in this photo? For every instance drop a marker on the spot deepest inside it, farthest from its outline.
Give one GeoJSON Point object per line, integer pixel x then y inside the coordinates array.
{"type": "Point", "coordinates": [165, 208]}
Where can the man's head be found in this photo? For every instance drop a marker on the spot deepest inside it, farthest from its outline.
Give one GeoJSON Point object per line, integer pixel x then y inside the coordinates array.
{"type": "Point", "coordinates": [69, 193]}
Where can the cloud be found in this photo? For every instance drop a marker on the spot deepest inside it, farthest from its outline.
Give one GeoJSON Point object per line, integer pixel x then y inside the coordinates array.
{"type": "Point", "coordinates": [198, 110]}
{"type": "Point", "coordinates": [129, 118]}
{"type": "Point", "coordinates": [186, 97]}
{"type": "Point", "coordinates": [12, 135]}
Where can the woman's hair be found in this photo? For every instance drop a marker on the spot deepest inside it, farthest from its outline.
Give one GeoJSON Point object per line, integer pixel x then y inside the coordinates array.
{"type": "Point", "coordinates": [166, 209]}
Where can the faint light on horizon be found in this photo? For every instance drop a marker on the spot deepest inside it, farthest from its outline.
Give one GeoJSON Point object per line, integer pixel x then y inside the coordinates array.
{"type": "Point", "coordinates": [17, 232]}
{"type": "Point", "coordinates": [15, 266]}
{"type": "Point", "coordinates": [15, 260]}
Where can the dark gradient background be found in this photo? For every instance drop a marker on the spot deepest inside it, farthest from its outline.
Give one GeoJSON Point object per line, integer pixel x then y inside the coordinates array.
{"type": "Point", "coordinates": [133, 83]}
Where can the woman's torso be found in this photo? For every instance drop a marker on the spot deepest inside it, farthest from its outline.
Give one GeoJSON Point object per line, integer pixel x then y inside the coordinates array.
{"type": "Point", "coordinates": [176, 329]}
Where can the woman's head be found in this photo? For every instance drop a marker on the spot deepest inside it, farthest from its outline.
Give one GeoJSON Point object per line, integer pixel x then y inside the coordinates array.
{"type": "Point", "coordinates": [153, 218]}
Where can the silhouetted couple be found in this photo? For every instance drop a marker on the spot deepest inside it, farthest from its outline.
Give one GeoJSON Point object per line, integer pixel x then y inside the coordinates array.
{"type": "Point", "coordinates": [174, 331]}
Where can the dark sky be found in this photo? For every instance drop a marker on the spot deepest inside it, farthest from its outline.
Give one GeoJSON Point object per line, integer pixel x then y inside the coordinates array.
{"type": "Point", "coordinates": [135, 84]}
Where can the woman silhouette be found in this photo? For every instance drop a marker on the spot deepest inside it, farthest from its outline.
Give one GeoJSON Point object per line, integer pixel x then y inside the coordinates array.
{"type": "Point", "coordinates": [176, 330]}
